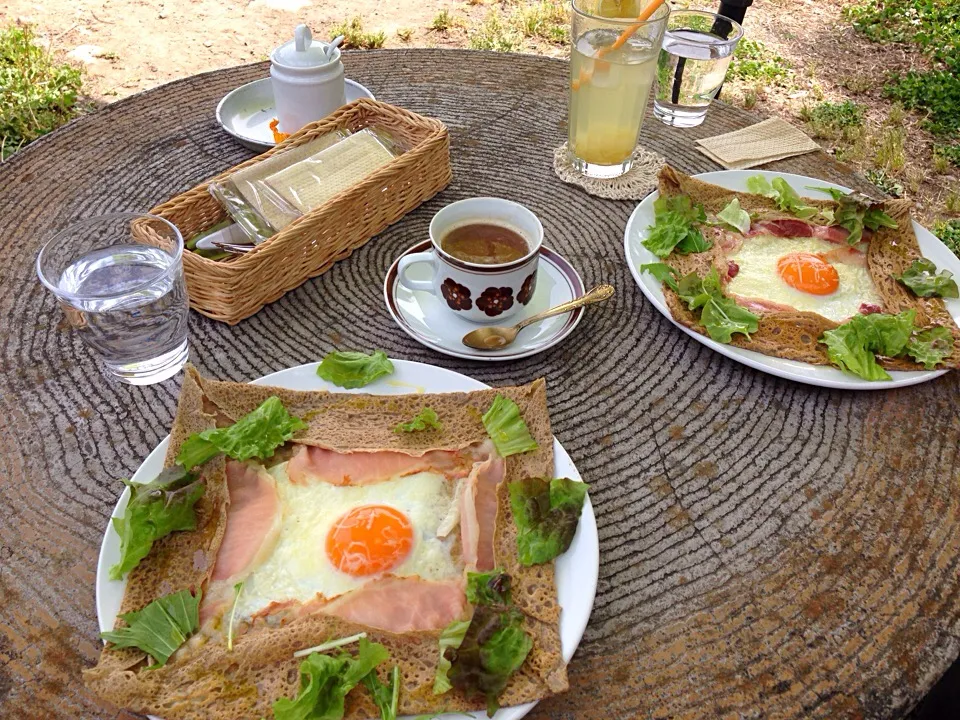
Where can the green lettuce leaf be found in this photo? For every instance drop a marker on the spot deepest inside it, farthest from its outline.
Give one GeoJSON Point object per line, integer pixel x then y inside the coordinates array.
{"type": "Point", "coordinates": [493, 648]}
{"type": "Point", "coordinates": [489, 588]}
{"type": "Point", "coordinates": [785, 197]}
{"type": "Point", "coordinates": [662, 272]}
{"type": "Point", "coordinates": [451, 637]}
{"type": "Point", "coordinates": [675, 227]}
{"type": "Point", "coordinates": [735, 216]}
{"type": "Point", "coordinates": [386, 696]}
{"type": "Point", "coordinates": [354, 369]}
{"type": "Point", "coordinates": [257, 434]}
{"type": "Point", "coordinates": [155, 510]}
{"type": "Point", "coordinates": [237, 589]}
{"type": "Point", "coordinates": [424, 419]}
{"type": "Point", "coordinates": [325, 681]}
{"type": "Point", "coordinates": [854, 345]}
{"type": "Point", "coordinates": [507, 429]}
{"type": "Point", "coordinates": [835, 193]}
{"type": "Point", "coordinates": [720, 316]}
{"type": "Point", "coordinates": [922, 277]}
{"type": "Point", "coordinates": [546, 513]}
{"type": "Point", "coordinates": [856, 211]}
{"type": "Point", "coordinates": [931, 347]}
{"type": "Point", "coordinates": [160, 627]}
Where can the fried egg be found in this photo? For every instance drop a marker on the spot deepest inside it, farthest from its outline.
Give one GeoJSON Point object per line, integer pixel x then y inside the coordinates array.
{"type": "Point", "coordinates": [335, 538]}
{"type": "Point", "coordinates": [806, 274]}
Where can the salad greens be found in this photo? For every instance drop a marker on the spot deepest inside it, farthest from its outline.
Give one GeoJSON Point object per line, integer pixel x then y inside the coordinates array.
{"type": "Point", "coordinates": [662, 272]}
{"type": "Point", "coordinates": [385, 696]}
{"type": "Point", "coordinates": [735, 216]}
{"type": "Point", "coordinates": [489, 588]}
{"type": "Point", "coordinates": [237, 589]}
{"type": "Point", "coordinates": [424, 419]}
{"type": "Point", "coordinates": [720, 316]}
{"type": "Point", "coordinates": [922, 277]}
{"type": "Point", "coordinates": [546, 513]}
{"type": "Point", "coordinates": [325, 681]}
{"type": "Point", "coordinates": [930, 347]}
{"type": "Point", "coordinates": [451, 637]}
{"type": "Point", "coordinates": [785, 197]}
{"type": "Point", "coordinates": [854, 346]}
{"type": "Point", "coordinates": [155, 509]}
{"type": "Point", "coordinates": [856, 211]}
{"type": "Point", "coordinates": [354, 369]}
{"type": "Point", "coordinates": [493, 648]}
{"type": "Point", "coordinates": [675, 227]}
{"type": "Point", "coordinates": [160, 627]}
{"type": "Point", "coordinates": [256, 434]}
{"type": "Point", "coordinates": [507, 429]}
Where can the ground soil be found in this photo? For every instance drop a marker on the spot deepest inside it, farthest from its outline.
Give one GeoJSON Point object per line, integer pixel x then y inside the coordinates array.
{"type": "Point", "coordinates": [130, 45]}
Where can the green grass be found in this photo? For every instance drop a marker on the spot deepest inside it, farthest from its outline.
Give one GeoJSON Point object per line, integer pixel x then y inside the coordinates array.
{"type": "Point", "coordinates": [37, 94]}
{"type": "Point", "coordinates": [885, 182]}
{"type": "Point", "coordinates": [889, 154]}
{"type": "Point", "coordinates": [835, 120]}
{"type": "Point", "coordinates": [443, 21]}
{"type": "Point", "coordinates": [945, 155]}
{"type": "Point", "coordinates": [934, 27]}
{"type": "Point", "coordinates": [752, 61]}
{"type": "Point", "coordinates": [354, 35]}
{"type": "Point", "coordinates": [949, 232]}
{"type": "Point", "coordinates": [548, 20]}
{"type": "Point", "coordinates": [405, 34]}
{"type": "Point", "coordinates": [495, 34]}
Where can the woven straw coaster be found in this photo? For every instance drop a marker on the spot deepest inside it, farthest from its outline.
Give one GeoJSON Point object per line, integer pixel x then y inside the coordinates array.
{"type": "Point", "coordinates": [633, 185]}
{"type": "Point", "coordinates": [770, 140]}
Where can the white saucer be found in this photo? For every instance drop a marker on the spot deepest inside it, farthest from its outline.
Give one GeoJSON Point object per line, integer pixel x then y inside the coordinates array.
{"type": "Point", "coordinates": [247, 111]}
{"type": "Point", "coordinates": [430, 322]}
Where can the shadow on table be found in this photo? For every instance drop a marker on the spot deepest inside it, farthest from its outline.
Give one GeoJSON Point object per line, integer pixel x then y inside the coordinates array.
{"type": "Point", "coordinates": [943, 700]}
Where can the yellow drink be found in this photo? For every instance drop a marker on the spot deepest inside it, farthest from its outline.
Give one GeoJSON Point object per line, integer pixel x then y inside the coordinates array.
{"type": "Point", "coordinates": [609, 89]}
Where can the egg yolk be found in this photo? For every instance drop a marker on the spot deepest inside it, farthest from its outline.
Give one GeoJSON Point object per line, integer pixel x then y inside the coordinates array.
{"type": "Point", "coordinates": [369, 539]}
{"type": "Point", "coordinates": [808, 273]}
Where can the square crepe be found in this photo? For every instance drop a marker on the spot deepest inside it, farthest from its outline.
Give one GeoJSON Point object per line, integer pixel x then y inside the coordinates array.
{"type": "Point", "coordinates": [203, 679]}
{"type": "Point", "coordinates": [791, 322]}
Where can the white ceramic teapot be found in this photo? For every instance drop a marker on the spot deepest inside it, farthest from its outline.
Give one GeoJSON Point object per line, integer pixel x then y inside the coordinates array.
{"type": "Point", "coordinates": [307, 79]}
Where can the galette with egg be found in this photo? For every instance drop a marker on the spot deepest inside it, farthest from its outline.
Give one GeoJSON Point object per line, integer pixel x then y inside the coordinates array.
{"type": "Point", "coordinates": [819, 281]}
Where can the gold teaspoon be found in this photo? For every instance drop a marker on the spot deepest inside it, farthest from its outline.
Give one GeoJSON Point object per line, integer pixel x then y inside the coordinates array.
{"type": "Point", "coordinates": [494, 338]}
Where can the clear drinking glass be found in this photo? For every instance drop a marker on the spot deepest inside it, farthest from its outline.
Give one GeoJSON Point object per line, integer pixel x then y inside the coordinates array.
{"type": "Point", "coordinates": [610, 81]}
{"type": "Point", "coordinates": [697, 49]}
{"type": "Point", "coordinates": [119, 280]}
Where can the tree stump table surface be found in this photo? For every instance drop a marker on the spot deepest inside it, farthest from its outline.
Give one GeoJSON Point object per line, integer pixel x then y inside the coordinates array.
{"type": "Point", "coordinates": [767, 549]}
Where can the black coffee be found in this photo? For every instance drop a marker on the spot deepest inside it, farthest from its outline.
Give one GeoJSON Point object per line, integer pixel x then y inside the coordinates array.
{"type": "Point", "coordinates": [484, 244]}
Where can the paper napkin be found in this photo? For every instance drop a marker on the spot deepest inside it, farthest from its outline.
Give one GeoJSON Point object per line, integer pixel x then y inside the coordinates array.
{"type": "Point", "coordinates": [770, 140]}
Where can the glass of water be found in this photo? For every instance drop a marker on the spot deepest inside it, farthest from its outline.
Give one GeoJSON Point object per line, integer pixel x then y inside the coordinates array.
{"type": "Point", "coordinates": [119, 280]}
{"type": "Point", "coordinates": [612, 63]}
{"type": "Point", "coordinates": [697, 49]}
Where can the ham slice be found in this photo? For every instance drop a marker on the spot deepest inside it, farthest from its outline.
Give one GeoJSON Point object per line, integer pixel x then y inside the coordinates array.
{"type": "Point", "coordinates": [792, 227]}
{"type": "Point", "coordinates": [253, 521]}
{"type": "Point", "coordinates": [315, 464]}
{"type": "Point", "coordinates": [398, 604]}
{"type": "Point", "coordinates": [478, 510]}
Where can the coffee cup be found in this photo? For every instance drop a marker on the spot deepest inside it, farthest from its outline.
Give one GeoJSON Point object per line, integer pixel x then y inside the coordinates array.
{"type": "Point", "coordinates": [487, 290]}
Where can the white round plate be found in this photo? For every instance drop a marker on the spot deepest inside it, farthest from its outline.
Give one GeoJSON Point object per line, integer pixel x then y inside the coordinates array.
{"type": "Point", "coordinates": [426, 318]}
{"type": "Point", "coordinates": [246, 112]}
{"type": "Point", "coordinates": [576, 569]}
{"type": "Point", "coordinates": [822, 376]}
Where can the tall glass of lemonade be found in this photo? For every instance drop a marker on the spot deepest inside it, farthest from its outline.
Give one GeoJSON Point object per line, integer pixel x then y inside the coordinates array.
{"type": "Point", "coordinates": [613, 61]}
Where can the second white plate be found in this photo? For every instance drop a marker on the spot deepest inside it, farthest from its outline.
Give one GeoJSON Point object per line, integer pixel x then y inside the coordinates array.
{"type": "Point", "coordinates": [820, 375]}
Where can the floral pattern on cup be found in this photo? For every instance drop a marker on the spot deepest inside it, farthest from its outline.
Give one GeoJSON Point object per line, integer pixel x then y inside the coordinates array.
{"type": "Point", "coordinates": [456, 295]}
{"type": "Point", "coordinates": [526, 290]}
{"type": "Point", "coordinates": [494, 301]}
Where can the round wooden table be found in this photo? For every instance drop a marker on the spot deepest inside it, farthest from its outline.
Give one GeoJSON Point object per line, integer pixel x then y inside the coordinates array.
{"type": "Point", "coordinates": [768, 549]}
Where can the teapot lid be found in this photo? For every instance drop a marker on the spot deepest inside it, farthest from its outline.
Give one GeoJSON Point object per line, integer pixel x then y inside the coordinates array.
{"type": "Point", "coordinates": [303, 51]}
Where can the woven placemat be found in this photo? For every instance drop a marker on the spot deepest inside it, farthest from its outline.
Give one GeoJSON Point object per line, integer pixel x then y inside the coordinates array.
{"type": "Point", "coordinates": [633, 185]}
{"type": "Point", "coordinates": [770, 140]}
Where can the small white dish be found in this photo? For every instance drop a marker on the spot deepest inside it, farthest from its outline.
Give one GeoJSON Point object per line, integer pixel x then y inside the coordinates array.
{"type": "Point", "coordinates": [425, 317]}
{"type": "Point", "coordinates": [577, 569]}
{"type": "Point", "coordinates": [246, 113]}
{"type": "Point", "coordinates": [820, 375]}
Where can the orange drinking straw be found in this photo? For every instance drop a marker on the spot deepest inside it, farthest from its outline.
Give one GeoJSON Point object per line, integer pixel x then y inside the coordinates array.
{"type": "Point", "coordinates": [620, 41]}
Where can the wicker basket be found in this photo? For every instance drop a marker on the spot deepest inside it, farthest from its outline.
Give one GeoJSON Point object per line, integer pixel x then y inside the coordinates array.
{"type": "Point", "coordinates": [234, 289]}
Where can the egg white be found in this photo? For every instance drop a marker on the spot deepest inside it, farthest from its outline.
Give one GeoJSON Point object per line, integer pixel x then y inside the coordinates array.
{"type": "Point", "coordinates": [298, 569]}
{"type": "Point", "coordinates": [758, 278]}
